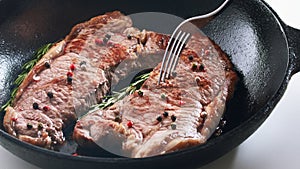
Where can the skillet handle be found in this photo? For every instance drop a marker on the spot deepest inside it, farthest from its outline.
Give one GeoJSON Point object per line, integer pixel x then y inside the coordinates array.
{"type": "Point", "coordinates": [293, 36]}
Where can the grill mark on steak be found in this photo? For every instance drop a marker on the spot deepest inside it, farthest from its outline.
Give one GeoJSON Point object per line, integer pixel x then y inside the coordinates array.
{"type": "Point", "coordinates": [95, 68]}
{"type": "Point", "coordinates": [187, 99]}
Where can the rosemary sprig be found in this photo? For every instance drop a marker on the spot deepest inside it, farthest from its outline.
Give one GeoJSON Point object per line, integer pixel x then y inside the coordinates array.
{"type": "Point", "coordinates": [116, 96]}
{"type": "Point", "coordinates": [26, 69]}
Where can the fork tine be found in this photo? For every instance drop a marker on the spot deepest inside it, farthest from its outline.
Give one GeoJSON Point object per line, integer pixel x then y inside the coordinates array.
{"type": "Point", "coordinates": [175, 43]}
{"type": "Point", "coordinates": [175, 53]}
{"type": "Point", "coordinates": [184, 42]}
{"type": "Point", "coordinates": [167, 53]}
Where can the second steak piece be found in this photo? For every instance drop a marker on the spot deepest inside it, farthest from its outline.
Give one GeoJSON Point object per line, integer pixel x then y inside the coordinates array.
{"type": "Point", "coordinates": [181, 112]}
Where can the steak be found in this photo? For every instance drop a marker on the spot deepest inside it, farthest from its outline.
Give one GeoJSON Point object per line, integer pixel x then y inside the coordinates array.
{"type": "Point", "coordinates": [74, 75]}
{"type": "Point", "coordinates": [181, 112]}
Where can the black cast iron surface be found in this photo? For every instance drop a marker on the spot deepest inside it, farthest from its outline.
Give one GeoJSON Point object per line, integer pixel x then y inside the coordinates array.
{"type": "Point", "coordinates": [264, 51]}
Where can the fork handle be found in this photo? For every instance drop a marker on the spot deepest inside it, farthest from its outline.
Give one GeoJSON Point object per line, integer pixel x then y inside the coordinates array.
{"type": "Point", "coordinates": [206, 17]}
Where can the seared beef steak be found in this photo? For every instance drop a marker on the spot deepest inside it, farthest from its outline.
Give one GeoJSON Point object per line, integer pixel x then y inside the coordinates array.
{"type": "Point", "coordinates": [181, 112]}
{"type": "Point", "coordinates": [75, 74]}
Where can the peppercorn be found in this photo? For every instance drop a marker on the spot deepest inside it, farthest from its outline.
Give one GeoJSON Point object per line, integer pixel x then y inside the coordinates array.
{"type": "Point", "coordinates": [69, 74]}
{"type": "Point", "coordinates": [29, 126]}
{"type": "Point", "coordinates": [191, 57]}
{"type": "Point", "coordinates": [159, 119]}
{"type": "Point", "coordinates": [108, 36]}
{"type": "Point", "coordinates": [46, 108]}
{"type": "Point", "coordinates": [173, 118]}
{"type": "Point", "coordinates": [40, 126]}
{"type": "Point", "coordinates": [163, 96]}
{"type": "Point", "coordinates": [129, 124]}
{"type": "Point", "coordinates": [129, 37]}
{"type": "Point", "coordinates": [118, 119]}
{"type": "Point", "coordinates": [50, 95]}
{"type": "Point", "coordinates": [140, 93]}
{"type": "Point", "coordinates": [35, 106]}
{"type": "Point", "coordinates": [99, 41]}
{"type": "Point", "coordinates": [47, 65]}
{"type": "Point", "coordinates": [173, 126]}
{"type": "Point", "coordinates": [194, 66]}
{"type": "Point", "coordinates": [72, 67]}
{"type": "Point", "coordinates": [69, 79]}
{"type": "Point", "coordinates": [105, 40]}
{"type": "Point", "coordinates": [82, 63]}
{"type": "Point", "coordinates": [165, 114]}
{"type": "Point", "coordinates": [174, 74]}
{"type": "Point", "coordinates": [201, 67]}
{"type": "Point", "coordinates": [14, 119]}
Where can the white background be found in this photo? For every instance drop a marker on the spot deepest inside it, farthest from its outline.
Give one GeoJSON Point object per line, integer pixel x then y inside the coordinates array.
{"type": "Point", "coordinates": [275, 145]}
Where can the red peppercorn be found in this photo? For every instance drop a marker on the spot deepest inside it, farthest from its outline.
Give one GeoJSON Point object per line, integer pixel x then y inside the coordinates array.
{"type": "Point", "coordinates": [72, 67]}
{"type": "Point", "coordinates": [129, 124]}
{"type": "Point", "coordinates": [69, 74]}
{"type": "Point", "coordinates": [46, 108]}
{"type": "Point", "coordinates": [99, 41]}
{"type": "Point", "coordinates": [13, 119]}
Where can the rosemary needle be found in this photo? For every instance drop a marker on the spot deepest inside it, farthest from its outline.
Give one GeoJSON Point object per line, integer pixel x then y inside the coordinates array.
{"type": "Point", "coordinates": [26, 69]}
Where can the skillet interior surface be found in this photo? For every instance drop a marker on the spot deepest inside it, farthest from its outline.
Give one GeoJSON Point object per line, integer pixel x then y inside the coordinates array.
{"type": "Point", "coordinates": [247, 31]}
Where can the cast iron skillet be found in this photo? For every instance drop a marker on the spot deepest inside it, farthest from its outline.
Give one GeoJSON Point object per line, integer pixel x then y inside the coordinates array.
{"type": "Point", "coordinates": [261, 46]}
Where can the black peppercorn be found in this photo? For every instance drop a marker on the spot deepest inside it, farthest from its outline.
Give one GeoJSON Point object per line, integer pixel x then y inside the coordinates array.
{"type": "Point", "coordinates": [29, 126]}
{"type": "Point", "coordinates": [50, 95]}
{"type": "Point", "coordinates": [173, 118]}
{"type": "Point", "coordinates": [163, 96]}
{"type": "Point", "coordinates": [140, 93]}
{"type": "Point", "coordinates": [108, 36]}
{"type": "Point", "coordinates": [174, 74]}
{"type": "Point", "coordinates": [69, 79]}
{"type": "Point", "coordinates": [118, 119]}
{"type": "Point", "coordinates": [165, 114]}
{"type": "Point", "coordinates": [105, 40]}
{"type": "Point", "coordinates": [35, 106]}
{"type": "Point", "coordinates": [173, 126]}
{"type": "Point", "coordinates": [47, 65]}
{"type": "Point", "coordinates": [159, 118]}
{"type": "Point", "coordinates": [194, 66]}
{"type": "Point", "coordinates": [201, 67]}
{"type": "Point", "coordinates": [82, 63]}
{"type": "Point", "coordinates": [129, 37]}
{"type": "Point", "coordinates": [40, 126]}
{"type": "Point", "coordinates": [191, 57]}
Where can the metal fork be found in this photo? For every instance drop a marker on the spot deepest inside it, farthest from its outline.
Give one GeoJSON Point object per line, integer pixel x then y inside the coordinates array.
{"type": "Point", "coordinates": [177, 42]}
